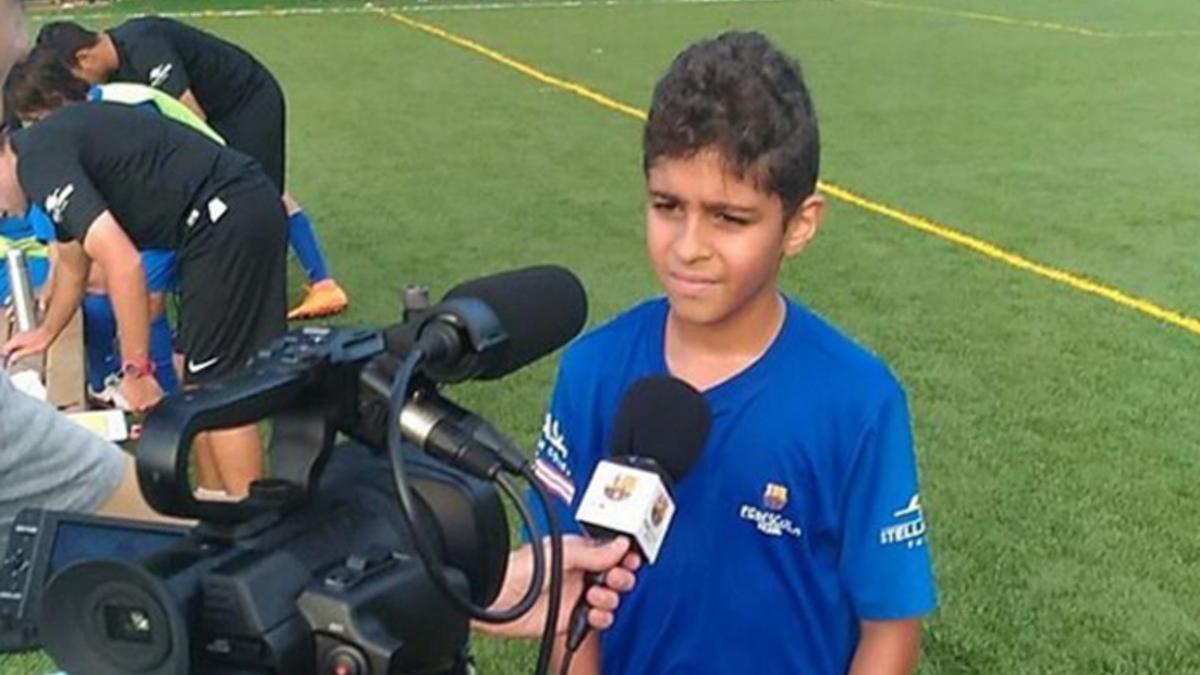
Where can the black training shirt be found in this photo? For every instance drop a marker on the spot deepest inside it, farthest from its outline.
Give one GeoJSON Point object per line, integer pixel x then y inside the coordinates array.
{"type": "Point", "coordinates": [175, 57]}
{"type": "Point", "coordinates": [148, 170]}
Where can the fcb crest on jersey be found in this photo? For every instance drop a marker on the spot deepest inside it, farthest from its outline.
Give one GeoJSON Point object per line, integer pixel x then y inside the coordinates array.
{"type": "Point", "coordinates": [775, 496]}
{"type": "Point", "coordinates": [770, 519]}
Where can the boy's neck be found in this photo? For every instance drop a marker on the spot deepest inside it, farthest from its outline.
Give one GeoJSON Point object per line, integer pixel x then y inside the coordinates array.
{"type": "Point", "coordinates": [112, 58]}
{"type": "Point", "coordinates": [100, 60]}
{"type": "Point", "coordinates": [705, 355]}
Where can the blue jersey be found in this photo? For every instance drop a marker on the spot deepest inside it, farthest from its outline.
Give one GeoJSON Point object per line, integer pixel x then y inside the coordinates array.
{"type": "Point", "coordinates": [801, 518]}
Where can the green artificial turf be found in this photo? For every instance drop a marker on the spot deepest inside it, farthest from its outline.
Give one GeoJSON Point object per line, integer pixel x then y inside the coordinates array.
{"type": "Point", "coordinates": [1058, 436]}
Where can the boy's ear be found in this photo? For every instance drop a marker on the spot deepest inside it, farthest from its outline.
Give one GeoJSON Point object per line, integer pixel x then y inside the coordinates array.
{"type": "Point", "coordinates": [803, 225]}
{"type": "Point", "coordinates": [87, 60]}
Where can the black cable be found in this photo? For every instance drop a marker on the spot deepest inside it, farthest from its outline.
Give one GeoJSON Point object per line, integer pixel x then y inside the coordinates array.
{"type": "Point", "coordinates": [398, 396]}
{"type": "Point", "coordinates": [566, 662]}
{"type": "Point", "coordinates": [556, 568]}
{"type": "Point", "coordinates": [539, 555]}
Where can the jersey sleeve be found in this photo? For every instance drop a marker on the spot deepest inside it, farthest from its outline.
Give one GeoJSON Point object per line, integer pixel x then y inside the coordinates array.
{"type": "Point", "coordinates": [56, 182]}
{"type": "Point", "coordinates": [885, 563]}
{"type": "Point", "coordinates": [158, 65]}
{"type": "Point", "coordinates": [564, 456]}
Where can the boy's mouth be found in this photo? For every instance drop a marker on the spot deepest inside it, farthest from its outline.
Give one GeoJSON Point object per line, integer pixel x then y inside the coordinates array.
{"type": "Point", "coordinates": [690, 284]}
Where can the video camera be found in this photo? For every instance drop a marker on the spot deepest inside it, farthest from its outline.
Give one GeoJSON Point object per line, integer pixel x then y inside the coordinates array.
{"type": "Point", "coordinates": [368, 556]}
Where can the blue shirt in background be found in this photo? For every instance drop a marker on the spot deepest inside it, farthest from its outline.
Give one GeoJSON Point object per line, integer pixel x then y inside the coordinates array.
{"type": "Point", "coordinates": [28, 234]}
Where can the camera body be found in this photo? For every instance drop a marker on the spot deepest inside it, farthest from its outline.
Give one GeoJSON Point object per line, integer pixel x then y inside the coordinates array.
{"type": "Point", "coordinates": [314, 572]}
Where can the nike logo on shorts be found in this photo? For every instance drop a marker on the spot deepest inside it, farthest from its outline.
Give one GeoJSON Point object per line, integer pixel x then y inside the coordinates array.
{"type": "Point", "coordinates": [195, 368]}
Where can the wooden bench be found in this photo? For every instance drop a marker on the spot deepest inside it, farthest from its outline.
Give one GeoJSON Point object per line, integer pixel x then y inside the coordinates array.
{"type": "Point", "coordinates": [62, 365]}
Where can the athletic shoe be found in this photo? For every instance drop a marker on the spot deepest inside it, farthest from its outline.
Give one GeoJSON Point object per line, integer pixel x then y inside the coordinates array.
{"type": "Point", "coordinates": [324, 298]}
{"type": "Point", "coordinates": [110, 396]}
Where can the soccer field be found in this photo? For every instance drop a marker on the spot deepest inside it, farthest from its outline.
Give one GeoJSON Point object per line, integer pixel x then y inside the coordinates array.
{"type": "Point", "coordinates": [1013, 227]}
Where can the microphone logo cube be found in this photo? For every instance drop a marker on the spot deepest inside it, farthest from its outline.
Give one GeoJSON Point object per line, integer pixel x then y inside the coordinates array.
{"type": "Point", "coordinates": [630, 501]}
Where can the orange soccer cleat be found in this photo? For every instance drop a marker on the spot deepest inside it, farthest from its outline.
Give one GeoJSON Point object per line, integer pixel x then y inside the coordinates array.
{"type": "Point", "coordinates": [324, 298]}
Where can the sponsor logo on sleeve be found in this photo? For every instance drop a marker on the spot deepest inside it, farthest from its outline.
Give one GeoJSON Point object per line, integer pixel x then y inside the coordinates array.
{"type": "Point", "coordinates": [552, 445]}
{"type": "Point", "coordinates": [57, 202]}
{"type": "Point", "coordinates": [551, 463]}
{"type": "Point", "coordinates": [910, 530]}
{"type": "Point", "coordinates": [159, 74]}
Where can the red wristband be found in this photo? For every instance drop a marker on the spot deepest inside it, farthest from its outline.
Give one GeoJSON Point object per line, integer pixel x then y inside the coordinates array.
{"type": "Point", "coordinates": [137, 368]}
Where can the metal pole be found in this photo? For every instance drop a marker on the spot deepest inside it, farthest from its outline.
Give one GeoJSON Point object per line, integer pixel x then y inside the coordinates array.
{"type": "Point", "coordinates": [24, 308]}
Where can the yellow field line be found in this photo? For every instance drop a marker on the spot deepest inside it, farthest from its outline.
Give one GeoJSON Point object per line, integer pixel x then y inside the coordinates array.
{"type": "Point", "coordinates": [1079, 283]}
{"type": "Point", "coordinates": [1028, 23]}
{"type": "Point", "coordinates": [43, 15]}
{"type": "Point", "coordinates": [925, 225]}
{"type": "Point", "coordinates": [524, 69]}
{"type": "Point", "coordinates": [992, 18]}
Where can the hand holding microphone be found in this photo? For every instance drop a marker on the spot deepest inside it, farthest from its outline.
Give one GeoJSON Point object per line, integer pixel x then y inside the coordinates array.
{"type": "Point", "coordinates": [660, 430]}
{"type": "Point", "coordinates": [613, 559]}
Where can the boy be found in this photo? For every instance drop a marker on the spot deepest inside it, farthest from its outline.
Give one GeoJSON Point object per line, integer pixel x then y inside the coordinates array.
{"type": "Point", "coordinates": [221, 83]}
{"type": "Point", "coordinates": [41, 83]}
{"type": "Point", "coordinates": [35, 87]}
{"type": "Point", "coordinates": [114, 180]}
{"type": "Point", "coordinates": [799, 543]}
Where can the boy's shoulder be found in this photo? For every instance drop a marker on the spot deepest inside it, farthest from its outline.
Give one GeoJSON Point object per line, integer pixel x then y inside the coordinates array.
{"type": "Point", "coordinates": [827, 355]}
{"type": "Point", "coordinates": [812, 359]}
{"type": "Point", "coordinates": [621, 333]}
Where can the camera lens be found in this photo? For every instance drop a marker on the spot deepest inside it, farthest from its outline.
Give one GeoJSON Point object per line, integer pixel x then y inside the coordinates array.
{"type": "Point", "coordinates": [128, 624]}
{"type": "Point", "coordinates": [105, 617]}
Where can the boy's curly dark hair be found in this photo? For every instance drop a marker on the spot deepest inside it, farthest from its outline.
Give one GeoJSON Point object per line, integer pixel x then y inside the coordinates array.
{"type": "Point", "coordinates": [744, 98]}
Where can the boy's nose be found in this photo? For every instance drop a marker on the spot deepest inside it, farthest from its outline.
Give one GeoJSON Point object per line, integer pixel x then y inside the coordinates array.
{"type": "Point", "coordinates": [692, 243]}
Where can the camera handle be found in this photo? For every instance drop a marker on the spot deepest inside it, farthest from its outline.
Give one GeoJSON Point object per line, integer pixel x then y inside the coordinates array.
{"type": "Point", "coordinates": [298, 382]}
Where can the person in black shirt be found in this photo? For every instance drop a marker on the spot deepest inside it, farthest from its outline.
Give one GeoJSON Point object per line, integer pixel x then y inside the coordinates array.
{"type": "Point", "coordinates": [115, 179]}
{"type": "Point", "coordinates": [223, 84]}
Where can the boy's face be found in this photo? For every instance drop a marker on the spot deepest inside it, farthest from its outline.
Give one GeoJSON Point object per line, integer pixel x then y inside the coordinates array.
{"type": "Point", "coordinates": [716, 241]}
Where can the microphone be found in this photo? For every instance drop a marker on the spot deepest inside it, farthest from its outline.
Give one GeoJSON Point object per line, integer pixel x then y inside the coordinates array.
{"type": "Point", "coordinates": [492, 326]}
{"type": "Point", "coordinates": [660, 430]}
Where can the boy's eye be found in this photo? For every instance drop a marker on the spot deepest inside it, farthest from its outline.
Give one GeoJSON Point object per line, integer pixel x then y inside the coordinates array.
{"type": "Point", "coordinates": [732, 219]}
{"type": "Point", "coordinates": [665, 205]}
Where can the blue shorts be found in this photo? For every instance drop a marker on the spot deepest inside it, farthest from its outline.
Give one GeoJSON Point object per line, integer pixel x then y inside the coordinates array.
{"type": "Point", "coordinates": [160, 270]}
{"type": "Point", "coordinates": [159, 266]}
{"type": "Point", "coordinates": [158, 263]}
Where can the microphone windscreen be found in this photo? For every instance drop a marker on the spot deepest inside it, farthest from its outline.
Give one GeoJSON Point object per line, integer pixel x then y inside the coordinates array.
{"type": "Point", "coordinates": [664, 419]}
{"type": "Point", "coordinates": [541, 308]}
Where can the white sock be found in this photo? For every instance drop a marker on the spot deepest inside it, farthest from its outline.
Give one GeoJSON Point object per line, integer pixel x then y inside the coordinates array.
{"type": "Point", "coordinates": [206, 495]}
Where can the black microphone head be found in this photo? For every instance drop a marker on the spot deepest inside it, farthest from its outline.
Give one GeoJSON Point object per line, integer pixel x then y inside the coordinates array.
{"type": "Point", "coordinates": [664, 419]}
{"type": "Point", "coordinates": [540, 308]}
